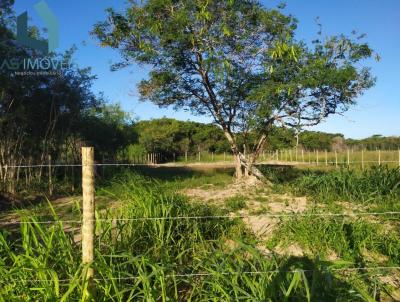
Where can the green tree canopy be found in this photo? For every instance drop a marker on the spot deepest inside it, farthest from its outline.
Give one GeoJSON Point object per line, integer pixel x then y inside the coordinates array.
{"type": "Point", "coordinates": [237, 62]}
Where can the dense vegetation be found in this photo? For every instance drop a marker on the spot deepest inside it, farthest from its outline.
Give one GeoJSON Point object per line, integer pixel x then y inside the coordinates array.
{"type": "Point", "coordinates": [48, 115]}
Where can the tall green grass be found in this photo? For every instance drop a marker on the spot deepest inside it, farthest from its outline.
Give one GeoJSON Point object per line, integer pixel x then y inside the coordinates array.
{"type": "Point", "coordinates": [349, 239]}
{"type": "Point", "coordinates": [378, 184]}
{"type": "Point", "coordinates": [341, 242]}
{"type": "Point", "coordinates": [375, 184]}
{"type": "Point", "coordinates": [167, 259]}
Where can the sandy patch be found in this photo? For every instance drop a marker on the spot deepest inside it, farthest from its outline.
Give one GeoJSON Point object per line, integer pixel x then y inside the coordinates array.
{"type": "Point", "coordinates": [258, 204]}
{"type": "Point", "coordinates": [219, 194]}
{"type": "Point", "coordinates": [292, 250]}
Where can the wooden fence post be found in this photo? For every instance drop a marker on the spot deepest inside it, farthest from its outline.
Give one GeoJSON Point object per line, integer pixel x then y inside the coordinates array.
{"type": "Point", "coordinates": [362, 159]}
{"type": "Point", "coordinates": [186, 156]}
{"type": "Point", "coordinates": [326, 157]}
{"type": "Point", "coordinates": [199, 156]}
{"type": "Point", "coordinates": [317, 157]}
{"type": "Point", "coordinates": [88, 207]}
{"type": "Point", "coordinates": [379, 156]}
{"type": "Point", "coordinates": [103, 167]}
{"type": "Point", "coordinates": [114, 231]}
{"type": "Point", "coordinates": [50, 177]}
{"type": "Point", "coordinates": [348, 157]}
{"type": "Point", "coordinates": [73, 175]}
{"type": "Point", "coordinates": [336, 160]}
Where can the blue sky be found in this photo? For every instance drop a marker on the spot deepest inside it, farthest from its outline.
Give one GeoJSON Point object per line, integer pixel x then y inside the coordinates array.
{"type": "Point", "coordinates": [377, 112]}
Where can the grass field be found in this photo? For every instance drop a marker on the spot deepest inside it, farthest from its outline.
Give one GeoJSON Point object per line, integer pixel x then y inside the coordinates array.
{"type": "Point", "coordinates": [254, 242]}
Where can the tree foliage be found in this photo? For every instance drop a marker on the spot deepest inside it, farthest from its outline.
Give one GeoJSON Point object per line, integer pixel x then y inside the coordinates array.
{"type": "Point", "coordinates": [45, 115]}
{"type": "Point", "coordinates": [169, 136]}
{"type": "Point", "coordinates": [237, 62]}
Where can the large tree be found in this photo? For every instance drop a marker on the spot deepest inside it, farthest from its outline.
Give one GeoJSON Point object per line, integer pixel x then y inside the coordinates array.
{"type": "Point", "coordinates": [237, 62]}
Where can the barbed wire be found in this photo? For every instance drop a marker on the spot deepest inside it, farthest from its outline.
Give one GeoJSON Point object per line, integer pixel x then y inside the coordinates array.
{"type": "Point", "coordinates": [277, 215]}
{"type": "Point", "coordinates": [205, 274]}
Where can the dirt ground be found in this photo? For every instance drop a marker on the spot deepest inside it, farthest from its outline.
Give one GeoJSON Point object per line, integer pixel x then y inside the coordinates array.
{"type": "Point", "coordinates": [261, 203]}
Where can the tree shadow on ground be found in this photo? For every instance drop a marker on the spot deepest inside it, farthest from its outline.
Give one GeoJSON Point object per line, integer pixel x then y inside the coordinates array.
{"type": "Point", "coordinates": [13, 202]}
{"type": "Point", "coordinates": [176, 173]}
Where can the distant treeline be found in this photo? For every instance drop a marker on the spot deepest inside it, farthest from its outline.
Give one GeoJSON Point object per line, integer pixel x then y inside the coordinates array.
{"type": "Point", "coordinates": [169, 136]}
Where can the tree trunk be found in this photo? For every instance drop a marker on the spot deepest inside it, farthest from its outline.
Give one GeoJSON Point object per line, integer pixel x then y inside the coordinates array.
{"type": "Point", "coordinates": [250, 167]}
{"type": "Point", "coordinates": [238, 166]}
{"type": "Point", "coordinates": [242, 166]}
{"type": "Point", "coordinates": [256, 153]}
{"type": "Point", "coordinates": [235, 152]}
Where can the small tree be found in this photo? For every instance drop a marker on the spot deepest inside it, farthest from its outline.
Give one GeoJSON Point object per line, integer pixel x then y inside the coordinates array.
{"type": "Point", "coordinates": [237, 62]}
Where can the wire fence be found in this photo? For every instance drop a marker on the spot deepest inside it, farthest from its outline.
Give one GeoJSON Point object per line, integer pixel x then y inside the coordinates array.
{"type": "Point", "coordinates": [216, 217]}
{"type": "Point", "coordinates": [335, 158]}
{"type": "Point", "coordinates": [294, 156]}
{"type": "Point", "coordinates": [88, 175]}
{"type": "Point", "coordinates": [299, 156]}
{"type": "Point", "coordinates": [217, 273]}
